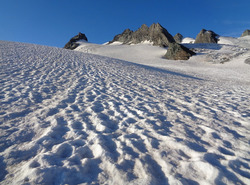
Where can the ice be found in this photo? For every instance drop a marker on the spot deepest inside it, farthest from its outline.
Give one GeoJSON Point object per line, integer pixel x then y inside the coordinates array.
{"type": "Point", "coordinates": [70, 117]}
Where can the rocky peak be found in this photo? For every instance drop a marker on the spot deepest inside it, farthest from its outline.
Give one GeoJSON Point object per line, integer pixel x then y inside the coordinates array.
{"type": "Point", "coordinates": [123, 37]}
{"type": "Point", "coordinates": [127, 31]}
{"type": "Point", "coordinates": [156, 26]}
{"type": "Point", "coordinates": [80, 36]}
{"type": "Point", "coordinates": [155, 33]}
{"type": "Point", "coordinates": [72, 44]}
{"type": "Point", "coordinates": [140, 35]}
{"type": "Point", "coordinates": [245, 33]}
{"type": "Point", "coordinates": [206, 36]}
{"type": "Point", "coordinates": [178, 38]}
{"type": "Point", "coordinates": [143, 28]}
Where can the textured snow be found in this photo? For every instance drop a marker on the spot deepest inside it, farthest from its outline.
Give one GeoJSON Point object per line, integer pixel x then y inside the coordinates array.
{"type": "Point", "coordinates": [187, 40]}
{"type": "Point", "coordinates": [69, 117]}
{"type": "Point", "coordinates": [232, 56]}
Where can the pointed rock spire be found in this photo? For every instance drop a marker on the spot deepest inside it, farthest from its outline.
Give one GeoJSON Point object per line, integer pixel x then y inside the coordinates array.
{"type": "Point", "coordinates": [206, 36]}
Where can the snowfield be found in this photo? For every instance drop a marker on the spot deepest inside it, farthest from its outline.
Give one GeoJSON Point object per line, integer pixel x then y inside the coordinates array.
{"type": "Point", "coordinates": [70, 117]}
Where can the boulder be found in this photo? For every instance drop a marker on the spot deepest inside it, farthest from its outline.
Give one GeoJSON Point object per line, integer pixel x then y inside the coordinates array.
{"type": "Point", "coordinates": [247, 61]}
{"type": "Point", "coordinates": [72, 44]}
{"type": "Point", "coordinates": [178, 38]}
{"type": "Point", "coordinates": [206, 36]}
{"type": "Point", "coordinates": [156, 34]}
{"type": "Point", "coordinates": [178, 52]}
{"type": "Point", "coordinates": [245, 33]}
{"type": "Point", "coordinates": [140, 35]}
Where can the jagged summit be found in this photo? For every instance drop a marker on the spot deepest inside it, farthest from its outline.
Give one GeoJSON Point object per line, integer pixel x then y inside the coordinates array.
{"type": "Point", "coordinates": [206, 36]}
{"type": "Point", "coordinates": [156, 34]}
{"type": "Point", "coordinates": [72, 43]}
{"type": "Point", "coordinates": [178, 38]}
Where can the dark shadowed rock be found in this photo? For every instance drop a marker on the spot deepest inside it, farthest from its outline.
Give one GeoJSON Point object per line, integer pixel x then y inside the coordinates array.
{"type": "Point", "coordinates": [178, 52]}
{"type": "Point", "coordinates": [72, 44]}
{"type": "Point", "coordinates": [206, 36]}
{"type": "Point", "coordinates": [245, 33]}
{"type": "Point", "coordinates": [178, 38]}
{"type": "Point", "coordinates": [156, 34]}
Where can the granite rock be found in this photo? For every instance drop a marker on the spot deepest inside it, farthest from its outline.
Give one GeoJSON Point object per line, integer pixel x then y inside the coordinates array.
{"type": "Point", "coordinates": [206, 36]}
{"type": "Point", "coordinates": [178, 52]}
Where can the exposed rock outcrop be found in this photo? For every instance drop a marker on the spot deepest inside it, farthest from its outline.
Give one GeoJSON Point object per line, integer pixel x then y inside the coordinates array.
{"type": "Point", "coordinates": [247, 61]}
{"type": "Point", "coordinates": [178, 52]}
{"type": "Point", "coordinates": [245, 33]}
{"type": "Point", "coordinates": [178, 38]}
{"type": "Point", "coordinates": [72, 44]}
{"type": "Point", "coordinates": [206, 36]}
{"type": "Point", "coordinates": [156, 34]}
{"type": "Point", "coordinates": [124, 36]}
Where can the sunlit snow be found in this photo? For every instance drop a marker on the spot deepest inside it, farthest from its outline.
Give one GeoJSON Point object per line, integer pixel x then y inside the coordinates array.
{"type": "Point", "coordinates": [71, 117]}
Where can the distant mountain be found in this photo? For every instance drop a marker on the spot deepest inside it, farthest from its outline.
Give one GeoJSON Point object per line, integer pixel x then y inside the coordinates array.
{"type": "Point", "coordinates": [206, 36]}
{"type": "Point", "coordinates": [155, 34]}
{"type": "Point", "coordinates": [245, 33]}
{"type": "Point", "coordinates": [72, 44]}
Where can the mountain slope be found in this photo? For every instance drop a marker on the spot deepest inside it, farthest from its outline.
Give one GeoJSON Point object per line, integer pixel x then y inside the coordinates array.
{"type": "Point", "coordinates": [231, 52]}
{"type": "Point", "coordinates": [69, 117]}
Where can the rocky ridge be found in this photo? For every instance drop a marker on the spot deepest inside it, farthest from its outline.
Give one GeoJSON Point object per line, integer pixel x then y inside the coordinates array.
{"type": "Point", "coordinates": [72, 44]}
{"type": "Point", "coordinates": [156, 34]}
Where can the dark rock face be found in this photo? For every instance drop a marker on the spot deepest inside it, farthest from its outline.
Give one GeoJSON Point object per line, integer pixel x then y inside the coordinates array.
{"type": "Point", "coordinates": [245, 33]}
{"type": "Point", "coordinates": [156, 34]}
{"type": "Point", "coordinates": [124, 37]}
{"type": "Point", "coordinates": [178, 52]}
{"type": "Point", "coordinates": [72, 43]}
{"type": "Point", "coordinates": [247, 61]}
{"type": "Point", "coordinates": [140, 35]}
{"type": "Point", "coordinates": [206, 36]}
{"type": "Point", "coordinates": [178, 38]}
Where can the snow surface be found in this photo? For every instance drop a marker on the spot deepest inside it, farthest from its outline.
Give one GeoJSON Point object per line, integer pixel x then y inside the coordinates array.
{"type": "Point", "coordinates": [187, 40]}
{"type": "Point", "coordinates": [232, 56]}
{"type": "Point", "coordinates": [70, 117]}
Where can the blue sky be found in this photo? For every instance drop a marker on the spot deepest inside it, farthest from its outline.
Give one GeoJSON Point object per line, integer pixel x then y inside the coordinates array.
{"type": "Point", "coordinates": [54, 22]}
